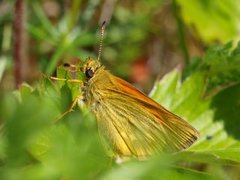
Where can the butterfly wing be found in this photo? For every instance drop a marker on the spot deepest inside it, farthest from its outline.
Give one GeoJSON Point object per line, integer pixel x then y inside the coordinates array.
{"type": "Point", "coordinates": [135, 125]}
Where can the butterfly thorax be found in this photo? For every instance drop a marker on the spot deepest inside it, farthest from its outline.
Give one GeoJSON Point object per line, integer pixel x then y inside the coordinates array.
{"type": "Point", "coordinates": [97, 81]}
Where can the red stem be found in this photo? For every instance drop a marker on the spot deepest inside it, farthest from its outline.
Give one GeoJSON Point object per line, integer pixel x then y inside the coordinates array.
{"type": "Point", "coordinates": [18, 28]}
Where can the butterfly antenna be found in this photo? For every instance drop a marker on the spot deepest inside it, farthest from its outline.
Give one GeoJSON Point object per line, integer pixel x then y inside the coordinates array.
{"type": "Point", "coordinates": [103, 26]}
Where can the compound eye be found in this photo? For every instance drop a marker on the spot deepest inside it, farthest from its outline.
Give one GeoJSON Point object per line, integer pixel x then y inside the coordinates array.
{"type": "Point", "coordinates": [89, 73]}
{"type": "Point", "coordinates": [66, 65]}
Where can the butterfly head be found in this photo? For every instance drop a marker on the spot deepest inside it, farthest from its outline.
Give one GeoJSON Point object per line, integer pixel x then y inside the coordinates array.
{"type": "Point", "coordinates": [89, 67]}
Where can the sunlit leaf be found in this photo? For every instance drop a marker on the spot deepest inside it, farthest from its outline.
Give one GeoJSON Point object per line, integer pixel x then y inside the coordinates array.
{"type": "Point", "coordinates": [213, 20]}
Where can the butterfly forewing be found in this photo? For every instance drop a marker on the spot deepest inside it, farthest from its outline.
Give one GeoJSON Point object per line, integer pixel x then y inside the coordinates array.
{"type": "Point", "coordinates": [131, 123]}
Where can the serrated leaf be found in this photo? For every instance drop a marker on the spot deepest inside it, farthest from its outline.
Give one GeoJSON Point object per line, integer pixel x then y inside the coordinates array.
{"type": "Point", "coordinates": [187, 102]}
{"type": "Point", "coordinates": [223, 67]}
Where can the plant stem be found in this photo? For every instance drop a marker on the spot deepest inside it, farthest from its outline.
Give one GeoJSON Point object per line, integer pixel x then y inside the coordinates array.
{"type": "Point", "coordinates": [18, 29]}
{"type": "Point", "coordinates": [181, 34]}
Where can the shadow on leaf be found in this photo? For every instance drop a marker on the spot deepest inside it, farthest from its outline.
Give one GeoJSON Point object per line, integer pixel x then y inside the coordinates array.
{"type": "Point", "coordinates": [227, 109]}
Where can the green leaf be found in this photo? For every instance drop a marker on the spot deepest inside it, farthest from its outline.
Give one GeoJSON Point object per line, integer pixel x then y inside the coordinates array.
{"type": "Point", "coordinates": [32, 146]}
{"type": "Point", "coordinates": [213, 20]}
{"type": "Point", "coordinates": [70, 73]}
{"type": "Point", "coordinates": [206, 115]}
{"type": "Point", "coordinates": [223, 67]}
{"type": "Point", "coordinates": [226, 105]}
{"type": "Point", "coordinates": [160, 167]}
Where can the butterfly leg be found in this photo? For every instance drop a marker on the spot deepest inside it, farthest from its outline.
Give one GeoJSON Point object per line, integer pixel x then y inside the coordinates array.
{"type": "Point", "coordinates": [71, 107]}
{"type": "Point", "coordinates": [66, 80]}
{"type": "Point", "coordinates": [76, 99]}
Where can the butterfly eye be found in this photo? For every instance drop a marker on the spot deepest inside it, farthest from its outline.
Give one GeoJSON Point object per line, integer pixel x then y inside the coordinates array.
{"type": "Point", "coordinates": [89, 73]}
{"type": "Point", "coordinates": [66, 65]}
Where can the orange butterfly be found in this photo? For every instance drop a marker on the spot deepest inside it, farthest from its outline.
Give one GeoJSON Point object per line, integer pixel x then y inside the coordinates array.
{"type": "Point", "coordinates": [129, 122]}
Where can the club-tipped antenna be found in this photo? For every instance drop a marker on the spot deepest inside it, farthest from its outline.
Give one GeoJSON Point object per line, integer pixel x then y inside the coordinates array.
{"type": "Point", "coordinates": [103, 26]}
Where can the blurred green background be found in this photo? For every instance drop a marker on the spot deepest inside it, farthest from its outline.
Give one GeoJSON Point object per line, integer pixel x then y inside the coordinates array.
{"type": "Point", "coordinates": [192, 46]}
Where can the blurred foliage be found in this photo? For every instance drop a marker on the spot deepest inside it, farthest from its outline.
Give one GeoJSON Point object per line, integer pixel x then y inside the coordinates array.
{"type": "Point", "coordinates": [219, 19]}
{"type": "Point", "coordinates": [33, 146]}
{"type": "Point", "coordinates": [143, 39]}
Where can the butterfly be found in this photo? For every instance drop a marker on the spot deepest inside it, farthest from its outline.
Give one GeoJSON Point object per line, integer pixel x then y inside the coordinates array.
{"type": "Point", "coordinates": [129, 122]}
